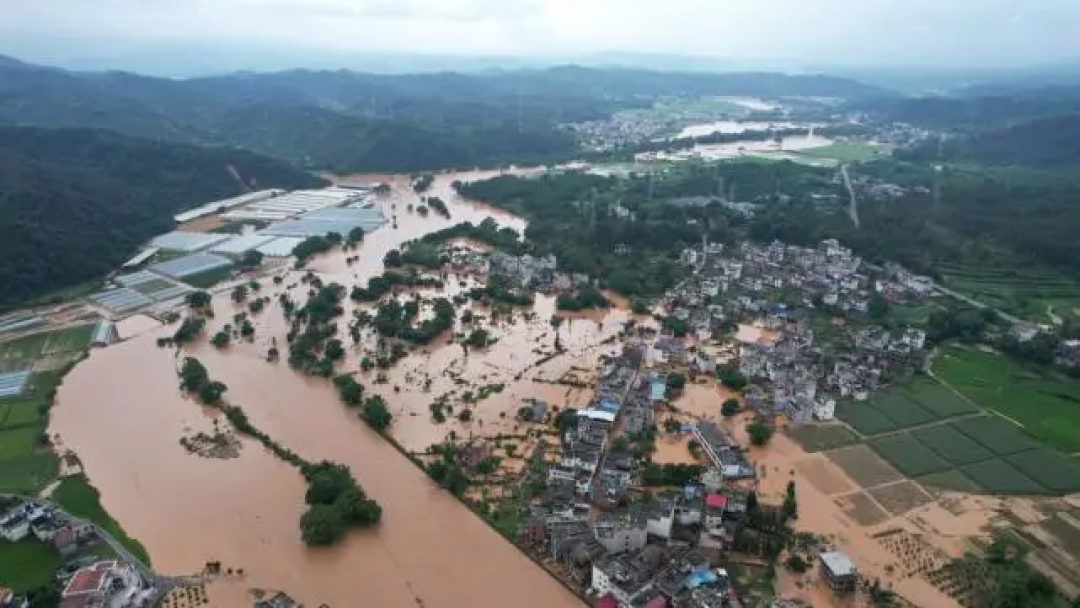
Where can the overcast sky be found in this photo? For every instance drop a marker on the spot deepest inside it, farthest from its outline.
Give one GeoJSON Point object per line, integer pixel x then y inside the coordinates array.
{"type": "Point", "coordinates": [892, 32]}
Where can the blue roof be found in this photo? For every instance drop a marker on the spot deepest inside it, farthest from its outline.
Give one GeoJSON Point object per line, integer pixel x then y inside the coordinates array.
{"type": "Point", "coordinates": [700, 576]}
{"type": "Point", "coordinates": [658, 390]}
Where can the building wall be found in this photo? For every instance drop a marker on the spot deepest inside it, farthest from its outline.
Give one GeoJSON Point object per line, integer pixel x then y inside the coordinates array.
{"type": "Point", "coordinates": [661, 525]}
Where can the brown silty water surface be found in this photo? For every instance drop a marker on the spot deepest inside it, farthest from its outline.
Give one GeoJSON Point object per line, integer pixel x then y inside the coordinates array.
{"type": "Point", "coordinates": [121, 412]}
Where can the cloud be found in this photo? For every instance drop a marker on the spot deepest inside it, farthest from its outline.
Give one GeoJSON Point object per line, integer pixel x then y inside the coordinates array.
{"type": "Point", "coordinates": [852, 31]}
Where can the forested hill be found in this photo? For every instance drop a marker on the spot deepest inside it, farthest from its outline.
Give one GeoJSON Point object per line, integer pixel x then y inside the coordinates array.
{"type": "Point", "coordinates": [1051, 143]}
{"type": "Point", "coordinates": [352, 121]}
{"type": "Point", "coordinates": [973, 112]}
{"type": "Point", "coordinates": [76, 203]}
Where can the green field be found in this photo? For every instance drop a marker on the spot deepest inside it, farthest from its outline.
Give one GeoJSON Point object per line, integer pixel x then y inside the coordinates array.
{"type": "Point", "coordinates": [999, 477]}
{"type": "Point", "coordinates": [1054, 471]}
{"type": "Point", "coordinates": [1046, 405]}
{"type": "Point", "coordinates": [27, 564]}
{"type": "Point", "coordinates": [939, 399]}
{"type": "Point", "coordinates": [821, 437]}
{"type": "Point", "coordinates": [908, 455]}
{"type": "Point", "coordinates": [953, 446]}
{"type": "Point", "coordinates": [26, 464]}
{"type": "Point", "coordinates": [904, 411]}
{"type": "Point", "coordinates": [863, 418]}
{"type": "Point", "coordinates": [848, 151]}
{"type": "Point", "coordinates": [78, 497]}
{"type": "Point", "coordinates": [1024, 292]}
{"type": "Point", "coordinates": [209, 278]}
{"type": "Point", "coordinates": [997, 435]}
{"type": "Point", "coordinates": [21, 353]}
{"type": "Point", "coordinates": [951, 480]}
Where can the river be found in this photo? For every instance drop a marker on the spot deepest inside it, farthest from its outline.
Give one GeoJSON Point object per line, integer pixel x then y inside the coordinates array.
{"type": "Point", "coordinates": [121, 412]}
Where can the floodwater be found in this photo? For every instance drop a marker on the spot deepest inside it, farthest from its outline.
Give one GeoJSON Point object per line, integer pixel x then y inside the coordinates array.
{"type": "Point", "coordinates": [739, 148]}
{"type": "Point", "coordinates": [121, 412]}
{"type": "Point", "coordinates": [737, 126]}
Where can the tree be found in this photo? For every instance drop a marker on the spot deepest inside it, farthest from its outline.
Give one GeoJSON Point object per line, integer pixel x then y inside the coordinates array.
{"type": "Point", "coordinates": [356, 509]}
{"type": "Point", "coordinates": [376, 414]}
{"type": "Point", "coordinates": [251, 259]}
{"type": "Point", "coordinates": [322, 524]}
{"type": "Point", "coordinates": [676, 382]}
{"type": "Point", "coordinates": [478, 338]}
{"type": "Point", "coordinates": [791, 504]}
{"type": "Point", "coordinates": [465, 415]}
{"type": "Point", "coordinates": [759, 432]}
{"type": "Point", "coordinates": [672, 426]}
{"type": "Point", "coordinates": [355, 235]}
{"type": "Point", "coordinates": [566, 420]}
{"type": "Point", "coordinates": [731, 377]}
{"type": "Point", "coordinates": [729, 407]}
{"type": "Point", "coordinates": [198, 299]}
{"type": "Point", "coordinates": [239, 293]}
{"type": "Point", "coordinates": [220, 339]}
{"type": "Point", "coordinates": [797, 564]}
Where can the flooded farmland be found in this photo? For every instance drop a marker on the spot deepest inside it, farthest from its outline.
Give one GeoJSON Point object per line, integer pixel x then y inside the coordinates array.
{"type": "Point", "coordinates": [122, 413]}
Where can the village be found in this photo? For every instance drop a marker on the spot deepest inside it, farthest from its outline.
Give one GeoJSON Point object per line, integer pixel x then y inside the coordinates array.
{"type": "Point", "coordinates": [630, 531]}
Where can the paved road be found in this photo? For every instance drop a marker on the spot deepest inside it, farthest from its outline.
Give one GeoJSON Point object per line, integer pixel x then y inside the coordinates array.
{"type": "Point", "coordinates": [853, 206]}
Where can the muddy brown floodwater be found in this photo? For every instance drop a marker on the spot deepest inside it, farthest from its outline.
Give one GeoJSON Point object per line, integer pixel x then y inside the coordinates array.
{"type": "Point", "coordinates": [121, 412]}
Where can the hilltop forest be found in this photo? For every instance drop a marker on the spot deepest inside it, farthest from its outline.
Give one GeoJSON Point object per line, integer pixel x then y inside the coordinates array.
{"type": "Point", "coordinates": [345, 121]}
{"type": "Point", "coordinates": [78, 202]}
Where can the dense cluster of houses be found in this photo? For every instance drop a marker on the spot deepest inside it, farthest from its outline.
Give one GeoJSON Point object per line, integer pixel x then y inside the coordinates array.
{"type": "Point", "coordinates": [534, 272]}
{"type": "Point", "coordinates": [803, 374]}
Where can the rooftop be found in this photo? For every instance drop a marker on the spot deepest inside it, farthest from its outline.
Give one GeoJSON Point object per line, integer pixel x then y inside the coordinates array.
{"type": "Point", "coordinates": [90, 579]}
{"type": "Point", "coordinates": [837, 563]}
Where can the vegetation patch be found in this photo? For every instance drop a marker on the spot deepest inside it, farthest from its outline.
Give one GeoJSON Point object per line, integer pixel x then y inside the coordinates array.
{"type": "Point", "coordinates": [821, 437]}
{"type": "Point", "coordinates": [864, 466]}
{"type": "Point", "coordinates": [952, 445]}
{"type": "Point", "coordinates": [999, 477]}
{"type": "Point", "coordinates": [865, 419]}
{"type": "Point", "coordinates": [908, 455]}
{"type": "Point", "coordinates": [999, 436]}
{"type": "Point", "coordinates": [848, 151]}
{"type": "Point", "coordinates": [951, 480]}
{"type": "Point", "coordinates": [1056, 472]}
{"type": "Point", "coordinates": [901, 409]}
{"type": "Point", "coordinates": [78, 497]}
{"type": "Point", "coordinates": [27, 564]}
{"type": "Point", "coordinates": [939, 399]}
{"type": "Point", "coordinates": [1048, 406]}
{"type": "Point", "coordinates": [900, 497]}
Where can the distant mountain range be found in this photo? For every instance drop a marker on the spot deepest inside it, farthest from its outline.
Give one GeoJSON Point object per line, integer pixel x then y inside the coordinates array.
{"type": "Point", "coordinates": [347, 121]}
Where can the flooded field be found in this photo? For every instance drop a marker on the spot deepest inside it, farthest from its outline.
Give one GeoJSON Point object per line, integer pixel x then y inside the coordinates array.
{"type": "Point", "coordinates": [737, 126]}
{"type": "Point", "coordinates": [121, 412]}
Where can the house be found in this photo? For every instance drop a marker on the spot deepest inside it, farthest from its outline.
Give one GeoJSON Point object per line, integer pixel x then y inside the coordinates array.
{"type": "Point", "coordinates": [838, 572]}
{"type": "Point", "coordinates": [15, 527]}
{"type": "Point", "coordinates": [622, 534]}
{"type": "Point", "coordinates": [606, 601]}
{"type": "Point", "coordinates": [91, 584]}
{"type": "Point", "coordinates": [65, 540]}
{"type": "Point", "coordinates": [620, 576]}
{"type": "Point", "coordinates": [7, 597]}
{"type": "Point", "coordinates": [660, 516]}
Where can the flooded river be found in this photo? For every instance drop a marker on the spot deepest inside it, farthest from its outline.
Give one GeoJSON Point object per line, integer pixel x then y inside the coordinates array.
{"type": "Point", "coordinates": [121, 412]}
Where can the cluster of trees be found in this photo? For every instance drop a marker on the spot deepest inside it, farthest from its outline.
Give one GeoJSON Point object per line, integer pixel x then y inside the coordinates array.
{"type": "Point", "coordinates": [446, 471]}
{"type": "Point", "coordinates": [584, 298]}
{"type": "Point", "coordinates": [395, 320]}
{"type": "Point", "coordinates": [1044, 142]}
{"type": "Point", "coordinates": [487, 231]}
{"type": "Point", "coordinates": [312, 346]}
{"type": "Point", "coordinates": [760, 432]}
{"type": "Point", "coordinates": [314, 245]}
{"type": "Point", "coordinates": [421, 183]}
{"type": "Point", "coordinates": [383, 284]}
{"type": "Point", "coordinates": [671, 474]}
{"type": "Point", "coordinates": [190, 329]}
{"type": "Point", "coordinates": [195, 380]}
{"type": "Point", "coordinates": [91, 198]}
{"type": "Point", "coordinates": [731, 377]}
{"type": "Point", "coordinates": [335, 503]}
{"type": "Point", "coordinates": [438, 205]}
{"type": "Point", "coordinates": [416, 253]}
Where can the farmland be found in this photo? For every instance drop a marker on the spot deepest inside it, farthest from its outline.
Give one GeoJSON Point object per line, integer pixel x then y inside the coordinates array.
{"type": "Point", "coordinates": [26, 460]}
{"type": "Point", "coordinates": [942, 438]}
{"type": "Point", "coordinates": [1045, 405]}
{"type": "Point", "coordinates": [847, 151]}
{"type": "Point", "coordinates": [1021, 291]}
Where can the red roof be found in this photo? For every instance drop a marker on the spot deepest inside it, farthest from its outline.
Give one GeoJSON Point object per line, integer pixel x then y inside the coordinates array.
{"type": "Point", "coordinates": [716, 500]}
{"type": "Point", "coordinates": [606, 601]}
{"type": "Point", "coordinates": [64, 536]}
{"type": "Point", "coordinates": [89, 579]}
{"type": "Point", "coordinates": [657, 602]}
